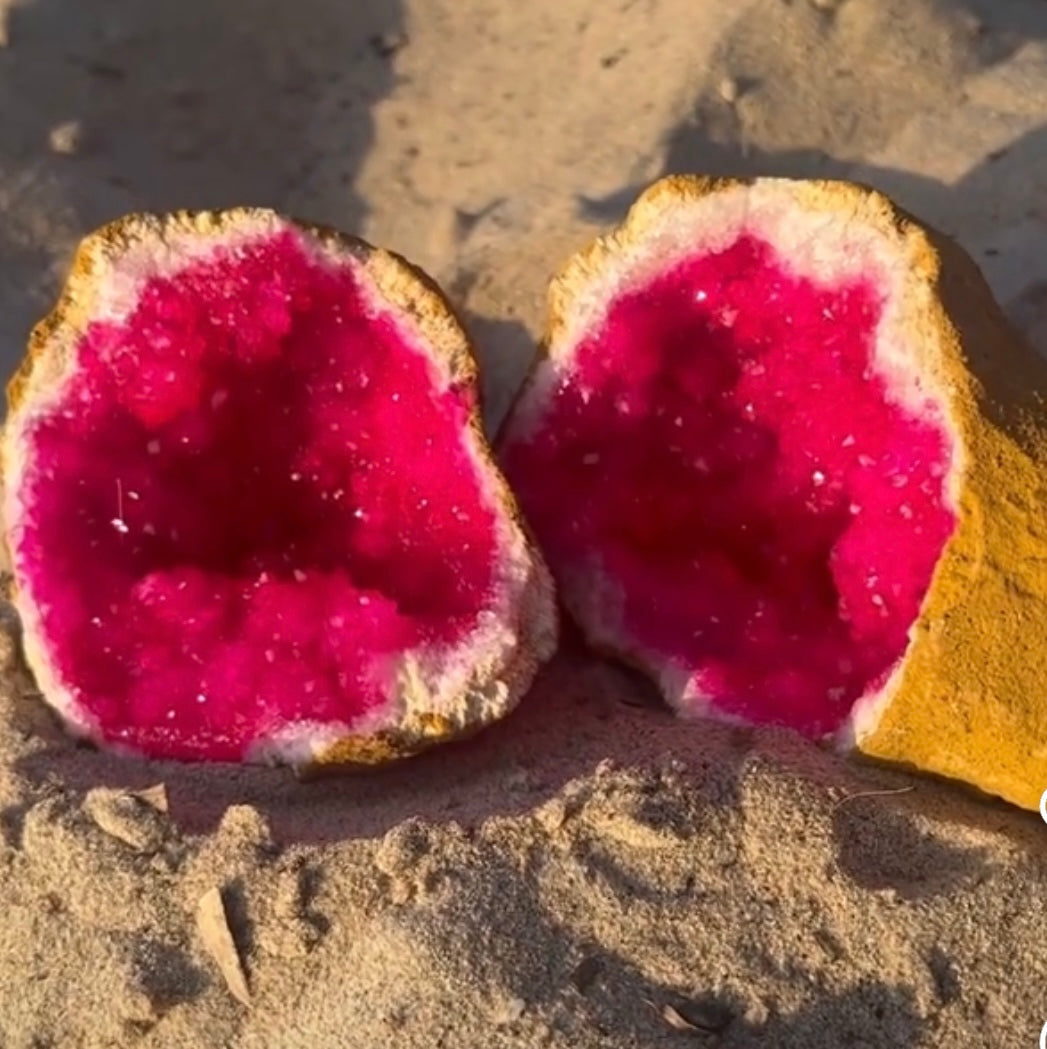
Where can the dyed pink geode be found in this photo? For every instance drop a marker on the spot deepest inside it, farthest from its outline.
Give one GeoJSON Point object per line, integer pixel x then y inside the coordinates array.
{"type": "Point", "coordinates": [753, 515]}
{"type": "Point", "coordinates": [254, 492]}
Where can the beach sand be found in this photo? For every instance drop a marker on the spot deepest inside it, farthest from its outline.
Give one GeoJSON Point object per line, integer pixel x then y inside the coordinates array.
{"type": "Point", "coordinates": [591, 872]}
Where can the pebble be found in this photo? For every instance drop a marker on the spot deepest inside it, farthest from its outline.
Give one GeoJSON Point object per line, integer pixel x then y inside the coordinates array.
{"type": "Point", "coordinates": [729, 89]}
{"type": "Point", "coordinates": [128, 818]}
{"type": "Point", "coordinates": [66, 138]}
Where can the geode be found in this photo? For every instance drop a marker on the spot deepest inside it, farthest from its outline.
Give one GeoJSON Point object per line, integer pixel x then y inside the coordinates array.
{"type": "Point", "coordinates": [249, 505]}
{"type": "Point", "coordinates": [783, 452]}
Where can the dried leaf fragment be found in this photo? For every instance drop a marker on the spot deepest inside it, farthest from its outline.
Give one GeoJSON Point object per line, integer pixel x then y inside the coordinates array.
{"type": "Point", "coordinates": [675, 1019]}
{"type": "Point", "coordinates": [155, 796]}
{"type": "Point", "coordinates": [699, 1018]}
{"type": "Point", "coordinates": [213, 924]}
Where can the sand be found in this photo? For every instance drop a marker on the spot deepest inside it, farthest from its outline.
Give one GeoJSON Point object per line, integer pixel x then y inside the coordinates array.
{"type": "Point", "coordinates": [590, 873]}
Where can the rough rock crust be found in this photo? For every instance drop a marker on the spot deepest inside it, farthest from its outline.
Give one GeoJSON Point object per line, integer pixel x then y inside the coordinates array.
{"type": "Point", "coordinates": [495, 686]}
{"type": "Point", "coordinates": [969, 699]}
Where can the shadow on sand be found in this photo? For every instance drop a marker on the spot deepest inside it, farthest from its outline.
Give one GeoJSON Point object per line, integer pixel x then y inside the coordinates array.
{"type": "Point", "coordinates": [119, 106]}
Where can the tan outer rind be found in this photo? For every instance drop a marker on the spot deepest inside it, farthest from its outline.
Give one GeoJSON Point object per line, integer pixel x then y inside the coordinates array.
{"type": "Point", "coordinates": [969, 700]}
{"type": "Point", "coordinates": [410, 292]}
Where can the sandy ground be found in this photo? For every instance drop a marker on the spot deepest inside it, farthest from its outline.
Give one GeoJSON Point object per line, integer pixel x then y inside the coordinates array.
{"type": "Point", "coordinates": [589, 873]}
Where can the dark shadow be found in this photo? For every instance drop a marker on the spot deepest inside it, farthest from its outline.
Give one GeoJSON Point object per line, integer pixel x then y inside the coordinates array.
{"type": "Point", "coordinates": [505, 349]}
{"type": "Point", "coordinates": [310, 884]}
{"type": "Point", "coordinates": [119, 106]}
{"type": "Point", "coordinates": [588, 993]}
{"type": "Point", "coordinates": [608, 870]}
{"type": "Point", "coordinates": [891, 852]}
{"type": "Point", "coordinates": [238, 916]}
{"type": "Point", "coordinates": [12, 821]}
{"type": "Point", "coordinates": [579, 714]}
{"type": "Point", "coordinates": [873, 1015]}
{"type": "Point", "coordinates": [166, 974]}
{"type": "Point", "coordinates": [947, 985]}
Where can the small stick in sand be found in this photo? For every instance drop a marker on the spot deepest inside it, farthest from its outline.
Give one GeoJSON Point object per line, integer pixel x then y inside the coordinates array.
{"type": "Point", "coordinates": [872, 794]}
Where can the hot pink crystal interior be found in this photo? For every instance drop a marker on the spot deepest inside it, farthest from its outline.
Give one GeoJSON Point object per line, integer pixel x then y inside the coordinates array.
{"type": "Point", "coordinates": [253, 496]}
{"type": "Point", "coordinates": [723, 453]}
